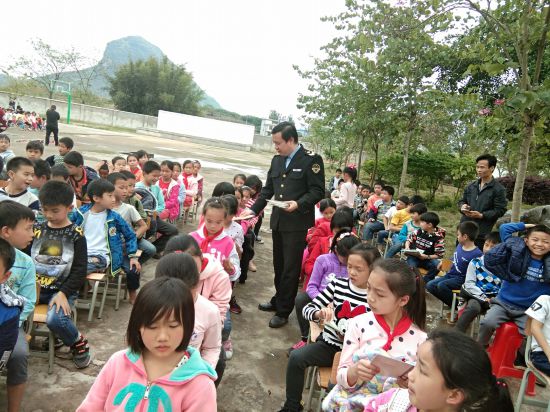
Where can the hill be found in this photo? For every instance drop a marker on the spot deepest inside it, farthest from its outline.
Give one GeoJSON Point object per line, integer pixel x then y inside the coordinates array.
{"type": "Point", "coordinates": [117, 53]}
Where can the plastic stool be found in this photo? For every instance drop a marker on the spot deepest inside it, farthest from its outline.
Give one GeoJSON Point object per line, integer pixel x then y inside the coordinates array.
{"type": "Point", "coordinates": [503, 353]}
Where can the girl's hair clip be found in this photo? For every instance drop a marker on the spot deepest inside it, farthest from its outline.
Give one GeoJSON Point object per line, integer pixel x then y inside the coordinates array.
{"type": "Point", "coordinates": [344, 235]}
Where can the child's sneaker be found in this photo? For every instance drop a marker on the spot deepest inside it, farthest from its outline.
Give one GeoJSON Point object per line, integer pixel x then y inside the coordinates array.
{"type": "Point", "coordinates": [228, 348]}
{"type": "Point", "coordinates": [297, 345]}
{"type": "Point", "coordinates": [81, 353]}
{"type": "Point", "coordinates": [234, 306]}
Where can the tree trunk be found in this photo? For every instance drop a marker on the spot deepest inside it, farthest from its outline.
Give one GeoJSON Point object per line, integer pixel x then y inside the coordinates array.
{"type": "Point", "coordinates": [529, 133]}
{"type": "Point", "coordinates": [375, 169]}
{"type": "Point", "coordinates": [360, 158]}
{"type": "Point", "coordinates": [406, 144]}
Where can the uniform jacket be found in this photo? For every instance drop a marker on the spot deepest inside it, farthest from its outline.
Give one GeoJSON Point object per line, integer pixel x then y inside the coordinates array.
{"type": "Point", "coordinates": [490, 201]}
{"type": "Point", "coordinates": [302, 181]}
{"type": "Point", "coordinates": [117, 231]}
{"type": "Point", "coordinates": [122, 385]}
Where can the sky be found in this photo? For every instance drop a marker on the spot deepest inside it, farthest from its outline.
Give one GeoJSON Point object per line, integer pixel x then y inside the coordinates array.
{"type": "Point", "coordinates": [240, 52]}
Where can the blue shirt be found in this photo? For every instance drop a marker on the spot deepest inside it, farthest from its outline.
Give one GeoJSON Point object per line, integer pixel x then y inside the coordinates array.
{"type": "Point", "coordinates": [522, 294]}
{"type": "Point", "coordinates": [290, 156]}
{"type": "Point", "coordinates": [461, 260]}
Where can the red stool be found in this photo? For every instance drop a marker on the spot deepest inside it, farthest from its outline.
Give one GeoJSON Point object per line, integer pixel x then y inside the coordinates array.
{"type": "Point", "coordinates": [503, 353]}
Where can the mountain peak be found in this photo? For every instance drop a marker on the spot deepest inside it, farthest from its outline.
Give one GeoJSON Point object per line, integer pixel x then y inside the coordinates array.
{"type": "Point", "coordinates": [121, 51]}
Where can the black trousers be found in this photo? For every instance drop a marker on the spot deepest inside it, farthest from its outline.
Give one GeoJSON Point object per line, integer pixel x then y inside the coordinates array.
{"type": "Point", "coordinates": [167, 230]}
{"type": "Point", "coordinates": [55, 131]}
{"type": "Point", "coordinates": [318, 353]}
{"type": "Point", "coordinates": [288, 250]}
{"type": "Point", "coordinates": [248, 254]}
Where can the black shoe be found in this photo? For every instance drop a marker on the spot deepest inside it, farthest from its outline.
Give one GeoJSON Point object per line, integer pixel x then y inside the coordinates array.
{"type": "Point", "coordinates": [267, 307]}
{"type": "Point", "coordinates": [277, 322]}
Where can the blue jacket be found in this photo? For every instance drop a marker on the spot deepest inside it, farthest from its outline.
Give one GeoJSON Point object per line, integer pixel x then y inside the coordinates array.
{"type": "Point", "coordinates": [118, 234]}
{"type": "Point", "coordinates": [510, 259]}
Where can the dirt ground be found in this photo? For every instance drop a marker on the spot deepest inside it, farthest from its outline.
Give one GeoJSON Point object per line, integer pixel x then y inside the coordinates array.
{"type": "Point", "coordinates": [254, 379]}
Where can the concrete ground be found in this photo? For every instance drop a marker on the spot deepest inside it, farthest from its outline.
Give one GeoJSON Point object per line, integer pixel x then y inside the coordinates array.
{"type": "Point", "coordinates": [255, 378]}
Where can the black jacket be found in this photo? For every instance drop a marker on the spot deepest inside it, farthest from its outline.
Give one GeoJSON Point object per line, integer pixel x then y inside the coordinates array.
{"type": "Point", "coordinates": [302, 181]}
{"type": "Point", "coordinates": [490, 201]}
{"type": "Point", "coordinates": [52, 117]}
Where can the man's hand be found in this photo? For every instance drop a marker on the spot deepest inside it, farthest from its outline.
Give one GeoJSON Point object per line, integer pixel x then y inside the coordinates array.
{"type": "Point", "coordinates": [292, 206]}
{"type": "Point", "coordinates": [473, 214]}
{"type": "Point", "coordinates": [134, 263]}
{"type": "Point", "coordinates": [247, 213]}
{"type": "Point", "coordinates": [62, 303]}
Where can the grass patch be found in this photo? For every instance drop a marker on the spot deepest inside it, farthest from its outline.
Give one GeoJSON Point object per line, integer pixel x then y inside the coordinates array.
{"type": "Point", "coordinates": [104, 127]}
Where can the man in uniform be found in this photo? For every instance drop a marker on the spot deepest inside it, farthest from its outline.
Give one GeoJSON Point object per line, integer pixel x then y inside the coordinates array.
{"type": "Point", "coordinates": [296, 177]}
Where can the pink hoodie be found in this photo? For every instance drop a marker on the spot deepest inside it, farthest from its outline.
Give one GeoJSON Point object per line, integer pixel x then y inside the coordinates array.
{"type": "Point", "coordinates": [221, 248]}
{"type": "Point", "coordinates": [171, 203]}
{"type": "Point", "coordinates": [207, 334]}
{"type": "Point", "coordinates": [122, 385]}
{"type": "Point", "coordinates": [215, 286]}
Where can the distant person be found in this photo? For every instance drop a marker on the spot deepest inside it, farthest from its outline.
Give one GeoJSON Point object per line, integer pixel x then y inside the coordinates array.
{"type": "Point", "coordinates": [484, 200]}
{"type": "Point", "coordinates": [52, 117]}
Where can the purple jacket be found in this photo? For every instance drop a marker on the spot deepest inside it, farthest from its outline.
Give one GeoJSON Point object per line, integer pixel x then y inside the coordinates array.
{"type": "Point", "coordinates": [326, 268]}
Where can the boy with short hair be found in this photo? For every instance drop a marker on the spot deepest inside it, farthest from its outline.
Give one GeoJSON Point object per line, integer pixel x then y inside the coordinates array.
{"type": "Point", "coordinates": [523, 264]}
{"type": "Point", "coordinates": [479, 287]}
{"type": "Point", "coordinates": [65, 145]}
{"type": "Point", "coordinates": [149, 179]}
{"type": "Point", "coordinates": [10, 305]}
{"type": "Point", "coordinates": [5, 153]}
{"type": "Point", "coordinates": [60, 254]}
{"type": "Point", "coordinates": [16, 227]}
{"type": "Point", "coordinates": [34, 149]}
{"type": "Point", "coordinates": [60, 173]}
{"type": "Point", "coordinates": [429, 241]}
{"type": "Point", "coordinates": [410, 226]}
{"type": "Point", "coordinates": [80, 176]}
{"type": "Point", "coordinates": [119, 163]}
{"type": "Point", "coordinates": [442, 287]}
{"type": "Point", "coordinates": [132, 199]}
{"type": "Point", "coordinates": [135, 221]}
{"type": "Point", "coordinates": [21, 175]}
{"type": "Point", "coordinates": [400, 205]}
{"type": "Point", "coordinates": [105, 230]}
{"type": "Point", "coordinates": [377, 190]}
{"type": "Point", "coordinates": [42, 173]}
{"type": "Point", "coordinates": [376, 214]}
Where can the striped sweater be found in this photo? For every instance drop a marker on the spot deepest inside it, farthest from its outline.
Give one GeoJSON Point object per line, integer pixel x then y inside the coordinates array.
{"type": "Point", "coordinates": [348, 301]}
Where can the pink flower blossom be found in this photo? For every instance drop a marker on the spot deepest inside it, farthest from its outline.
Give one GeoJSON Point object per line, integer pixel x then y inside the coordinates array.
{"type": "Point", "coordinates": [485, 111]}
{"type": "Point", "coordinates": [499, 102]}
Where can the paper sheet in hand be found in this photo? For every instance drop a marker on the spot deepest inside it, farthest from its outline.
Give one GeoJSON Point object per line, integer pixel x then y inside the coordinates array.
{"type": "Point", "coordinates": [413, 251]}
{"type": "Point", "coordinates": [391, 367]}
{"type": "Point", "coordinates": [278, 203]}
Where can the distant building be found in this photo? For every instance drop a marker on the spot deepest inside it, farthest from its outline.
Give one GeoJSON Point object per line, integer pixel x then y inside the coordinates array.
{"type": "Point", "coordinates": [266, 126]}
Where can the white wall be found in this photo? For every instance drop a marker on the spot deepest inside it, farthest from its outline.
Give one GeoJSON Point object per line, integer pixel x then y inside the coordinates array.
{"type": "Point", "coordinates": [205, 128]}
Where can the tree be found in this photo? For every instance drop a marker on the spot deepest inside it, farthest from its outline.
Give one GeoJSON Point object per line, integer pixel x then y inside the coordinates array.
{"type": "Point", "coordinates": [44, 66]}
{"type": "Point", "coordinates": [147, 86]}
{"type": "Point", "coordinates": [514, 50]}
{"type": "Point", "coordinates": [274, 115]}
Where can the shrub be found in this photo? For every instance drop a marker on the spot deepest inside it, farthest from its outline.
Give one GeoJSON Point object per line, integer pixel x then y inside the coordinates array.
{"type": "Point", "coordinates": [536, 190]}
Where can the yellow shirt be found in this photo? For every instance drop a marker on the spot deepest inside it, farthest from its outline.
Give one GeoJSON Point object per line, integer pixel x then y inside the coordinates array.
{"type": "Point", "coordinates": [400, 217]}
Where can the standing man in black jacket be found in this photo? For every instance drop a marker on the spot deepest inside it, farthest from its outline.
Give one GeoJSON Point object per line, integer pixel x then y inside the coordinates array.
{"type": "Point", "coordinates": [484, 200]}
{"type": "Point", "coordinates": [296, 177]}
{"type": "Point", "coordinates": [52, 117]}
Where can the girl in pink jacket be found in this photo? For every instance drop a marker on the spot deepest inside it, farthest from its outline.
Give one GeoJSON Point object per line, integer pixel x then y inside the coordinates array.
{"type": "Point", "coordinates": [207, 336]}
{"type": "Point", "coordinates": [213, 239]}
{"type": "Point", "coordinates": [214, 282]}
{"type": "Point", "coordinates": [170, 190]}
{"type": "Point", "coordinates": [158, 371]}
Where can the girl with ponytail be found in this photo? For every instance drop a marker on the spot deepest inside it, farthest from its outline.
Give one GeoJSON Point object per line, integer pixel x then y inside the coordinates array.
{"type": "Point", "coordinates": [452, 373]}
{"type": "Point", "coordinates": [394, 327]}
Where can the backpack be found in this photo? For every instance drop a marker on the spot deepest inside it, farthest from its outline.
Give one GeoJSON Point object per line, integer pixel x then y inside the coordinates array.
{"type": "Point", "coordinates": [148, 200]}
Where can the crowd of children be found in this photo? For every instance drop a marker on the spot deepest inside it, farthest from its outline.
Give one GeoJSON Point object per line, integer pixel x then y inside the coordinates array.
{"type": "Point", "coordinates": [61, 220]}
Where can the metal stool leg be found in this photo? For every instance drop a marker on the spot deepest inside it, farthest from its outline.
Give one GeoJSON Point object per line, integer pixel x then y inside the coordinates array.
{"type": "Point", "coordinates": [311, 388]}
{"type": "Point", "coordinates": [92, 303]}
{"type": "Point", "coordinates": [51, 351]}
{"type": "Point", "coordinates": [100, 314]}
